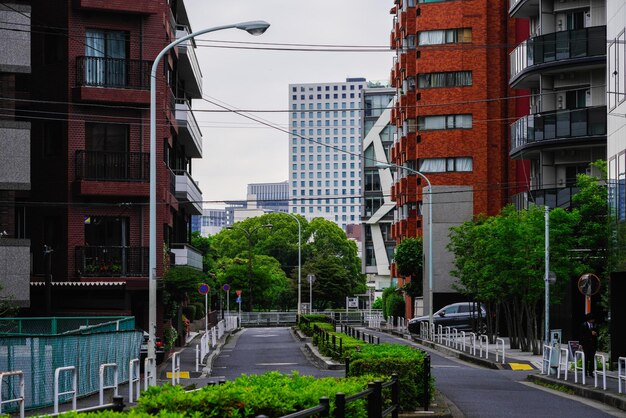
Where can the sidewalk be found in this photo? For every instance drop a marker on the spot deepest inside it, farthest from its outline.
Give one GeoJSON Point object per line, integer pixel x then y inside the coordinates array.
{"type": "Point", "coordinates": [515, 359]}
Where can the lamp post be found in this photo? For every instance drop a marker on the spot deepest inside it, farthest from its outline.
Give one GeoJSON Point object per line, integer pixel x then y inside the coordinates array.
{"type": "Point", "coordinates": [430, 232]}
{"type": "Point", "coordinates": [248, 233]}
{"type": "Point", "coordinates": [254, 28]}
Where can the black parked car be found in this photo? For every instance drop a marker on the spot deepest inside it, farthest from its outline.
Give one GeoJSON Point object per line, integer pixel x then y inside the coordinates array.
{"type": "Point", "coordinates": [158, 346]}
{"type": "Point", "coordinates": [463, 316]}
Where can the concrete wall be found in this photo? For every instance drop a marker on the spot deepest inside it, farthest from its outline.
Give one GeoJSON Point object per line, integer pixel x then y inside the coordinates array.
{"type": "Point", "coordinates": [15, 41]}
{"type": "Point", "coordinates": [452, 205]}
{"type": "Point", "coordinates": [15, 155]}
{"type": "Point", "coordinates": [15, 271]}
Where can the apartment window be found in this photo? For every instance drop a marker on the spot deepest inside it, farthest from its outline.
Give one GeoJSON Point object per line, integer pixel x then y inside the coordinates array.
{"type": "Point", "coordinates": [442, 165]}
{"type": "Point", "coordinates": [445, 36]}
{"type": "Point", "coordinates": [448, 79]}
{"type": "Point", "coordinates": [106, 58]}
{"type": "Point", "coordinates": [444, 122]}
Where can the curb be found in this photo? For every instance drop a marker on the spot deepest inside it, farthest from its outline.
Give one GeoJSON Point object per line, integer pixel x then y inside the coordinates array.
{"type": "Point", "coordinates": [598, 395]}
{"type": "Point", "coordinates": [206, 370]}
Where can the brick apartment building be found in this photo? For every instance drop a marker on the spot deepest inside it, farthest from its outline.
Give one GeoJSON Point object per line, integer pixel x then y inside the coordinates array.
{"type": "Point", "coordinates": [89, 109]}
{"type": "Point", "coordinates": [451, 114]}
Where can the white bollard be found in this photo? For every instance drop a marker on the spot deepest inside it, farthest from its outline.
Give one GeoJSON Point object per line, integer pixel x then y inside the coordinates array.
{"type": "Point", "coordinates": [463, 340]}
{"type": "Point", "coordinates": [440, 333]}
{"type": "Point", "coordinates": [447, 336]}
{"type": "Point", "coordinates": [134, 380]}
{"type": "Point", "coordinates": [483, 338]}
{"type": "Point", "coordinates": [20, 399]}
{"type": "Point", "coordinates": [473, 343]}
{"type": "Point", "coordinates": [500, 341]}
{"type": "Point", "coordinates": [545, 361]}
{"type": "Point", "coordinates": [74, 390]}
{"type": "Point", "coordinates": [621, 373]}
{"type": "Point", "coordinates": [581, 355]}
{"type": "Point", "coordinates": [603, 372]}
{"type": "Point", "coordinates": [103, 368]}
{"type": "Point", "coordinates": [176, 368]}
{"type": "Point", "coordinates": [455, 338]}
{"type": "Point", "coordinates": [148, 378]}
{"type": "Point", "coordinates": [563, 363]}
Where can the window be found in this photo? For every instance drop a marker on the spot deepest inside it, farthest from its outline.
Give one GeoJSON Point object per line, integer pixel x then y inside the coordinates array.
{"type": "Point", "coordinates": [105, 53]}
{"type": "Point", "coordinates": [442, 165]}
{"type": "Point", "coordinates": [449, 79]}
{"type": "Point", "coordinates": [444, 122]}
{"type": "Point", "coordinates": [445, 36]}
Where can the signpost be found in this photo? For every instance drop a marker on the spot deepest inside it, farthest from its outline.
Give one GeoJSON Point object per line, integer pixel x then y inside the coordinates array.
{"type": "Point", "coordinates": [204, 289]}
{"type": "Point", "coordinates": [239, 302]}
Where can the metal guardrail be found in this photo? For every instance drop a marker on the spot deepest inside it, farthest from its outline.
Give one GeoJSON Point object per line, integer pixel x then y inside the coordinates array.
{"type": "Point", "coordinates": [73, 391]}
{"type": "Point", "coordinates": [602, 359]}
{"type": "Point", "coordinates": [579, 355]}
{"type": "Point", "coordinates": [103, 387]}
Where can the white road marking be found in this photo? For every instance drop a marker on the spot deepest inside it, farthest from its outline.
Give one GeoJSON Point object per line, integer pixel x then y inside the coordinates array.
{"type": "Point", "coordinates": [265, 335]}
{"type": "Point", "coordinates": [276, 364]}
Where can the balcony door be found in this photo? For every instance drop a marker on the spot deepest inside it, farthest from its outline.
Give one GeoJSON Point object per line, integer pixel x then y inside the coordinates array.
{"type": "Point", "coordinates": [106, 243]}
{"type": "Point", "coordinates": [107, 155]}
{"type": "Point", "coordinates": [106, 58]}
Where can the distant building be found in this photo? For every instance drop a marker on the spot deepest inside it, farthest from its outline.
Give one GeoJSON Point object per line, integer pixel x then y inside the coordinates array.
{"type": "Point", "coordinates": [377, 245]}
{"type": "Point", "coordinates": [212, 221]}
{"type": "Point", "coordinates": [272, 196]}
{"type": "Point", "coordinates": [324, 150]}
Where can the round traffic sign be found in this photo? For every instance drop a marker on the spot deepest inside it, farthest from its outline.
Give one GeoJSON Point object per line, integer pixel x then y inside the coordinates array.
{"type": "Point", "coordinates": [203, 289]}
{"type": "Point", "coordinates": [226, 287]}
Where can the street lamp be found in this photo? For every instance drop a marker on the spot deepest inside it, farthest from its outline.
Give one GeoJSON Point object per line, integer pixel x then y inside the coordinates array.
{"type": "Point", "coordinates": [299, 259]}
{"type": "Point", "coordinates": [430, 232]}
{"type": "Point", "coordinates": [254, 28]}
{"type": "Point", "coordinates": [248, 233]}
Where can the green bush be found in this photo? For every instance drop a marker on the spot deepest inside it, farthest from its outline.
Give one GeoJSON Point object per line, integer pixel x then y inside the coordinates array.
{"type": "Point", "coordinates": [190, 312]}
{"type": "Point", "coordinates": [271, 394]}
{"type": "Point", "coordinates": [386, 359]}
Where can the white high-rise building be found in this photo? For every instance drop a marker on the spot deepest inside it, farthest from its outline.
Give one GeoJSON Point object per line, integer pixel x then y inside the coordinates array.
{"type": "Point", "coordinates": [324, 150]}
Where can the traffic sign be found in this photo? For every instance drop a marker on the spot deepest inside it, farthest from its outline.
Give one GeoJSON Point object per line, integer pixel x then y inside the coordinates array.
{"type": "Point", "coordinates": [238, 292]}
{"type": "Point", "coordinates": [238, 299]}
{"type": "Point", "coordinates": [203, 289]}
{"type": "Point", "coordinates": [226, 287]}
{"type": "Point", "coordinates": [588, 284]}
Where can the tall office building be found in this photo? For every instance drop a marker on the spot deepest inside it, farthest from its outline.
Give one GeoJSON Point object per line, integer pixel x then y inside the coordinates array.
{"type": "Point", "coordinates": [451, 80]}
{"type": "Point", "coordinates": [377, 244]}
{"type": "Point", "coordinates": [616, 147]}
{"type": "Point", "coordinates": [324, 150]}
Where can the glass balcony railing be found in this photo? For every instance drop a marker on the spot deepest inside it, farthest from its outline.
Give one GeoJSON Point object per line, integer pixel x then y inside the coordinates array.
{"type": "Point", "coordinates": [112, 166]}
{"type": "Point", "coordinates": [553, 198]}
{"type": "Point", "coordinates": [111, 261]}
{"type": "Point", "coordinates": [113, 72]}
{"type": "Point", "coordinates": [558, 46]}
{"type": "Point", "coordinates": [558, 124]}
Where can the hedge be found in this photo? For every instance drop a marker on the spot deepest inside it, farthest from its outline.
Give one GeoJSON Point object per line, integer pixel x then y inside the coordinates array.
{"type": "Point", "coordinates": [385, 359]}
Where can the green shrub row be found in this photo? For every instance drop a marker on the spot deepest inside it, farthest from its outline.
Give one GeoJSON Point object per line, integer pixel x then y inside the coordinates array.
{"type": "Point", "coordinates": [271, 394]}
{"type": "Point", "coordinates": [386, 359]}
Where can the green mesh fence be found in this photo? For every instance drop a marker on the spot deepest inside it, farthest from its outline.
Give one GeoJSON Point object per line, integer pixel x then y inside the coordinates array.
{"type": "Point", "coordinates": [39, 356]}
{"type": "Point", "coordinates": [64, 325]}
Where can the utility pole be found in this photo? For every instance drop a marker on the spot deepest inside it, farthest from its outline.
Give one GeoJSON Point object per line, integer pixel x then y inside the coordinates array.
{"type": "Point", "coordinates": [546, 278]}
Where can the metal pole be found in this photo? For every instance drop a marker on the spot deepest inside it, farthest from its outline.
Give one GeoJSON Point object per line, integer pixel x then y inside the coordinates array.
{"type": "Point", "coordinates": [547, 276]}
{"type": "Point", "coordinates": [206, 313]}
{"type": "Point", "coordinates": [257, 28]}
{"type": "Point", "coordinates": [310, 295]}
{"type": "Point", "coordinates": [299, 267]}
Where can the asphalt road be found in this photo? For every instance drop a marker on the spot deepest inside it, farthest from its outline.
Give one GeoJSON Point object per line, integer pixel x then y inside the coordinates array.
{"type": "Point", "coordinates": [258, 350]}
{"type": "Point", "coordinates": [476, 392]}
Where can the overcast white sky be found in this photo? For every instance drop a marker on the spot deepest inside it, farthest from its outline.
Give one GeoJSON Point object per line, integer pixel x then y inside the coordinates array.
{"type": "Point", "coordinates": [238, 151]}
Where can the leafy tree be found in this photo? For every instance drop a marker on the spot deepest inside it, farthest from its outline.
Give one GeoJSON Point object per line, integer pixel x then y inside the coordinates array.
{"type": "Point", "coordinates": [179, 283]}
{"type": "Point", "coordinates": [206, 248]}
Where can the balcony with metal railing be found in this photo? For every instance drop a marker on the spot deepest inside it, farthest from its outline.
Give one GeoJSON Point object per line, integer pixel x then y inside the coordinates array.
{"type": "Point", "coordinates": [544, 129]}
{"type": "Point", "coordinates": [186, 255]}
{"type": "Point", "coordinates": [188, 67]}
{"type": "Point", "coordinates": [101, 173]}
{"type": "Point", "coordinates": [113, 79]}
{"type": "Point", "coordinates": [554, 50]}
{"type": "Point", "coordinates": [135, 6]}
{"type": "Point", "coordinates": [189, 133]}
{"type": "Point", "coordinates": [187, 192]}
{"type": "Point", "coordinates": [111, 261]}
